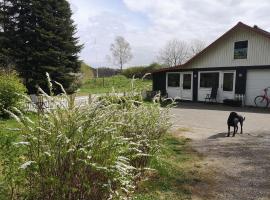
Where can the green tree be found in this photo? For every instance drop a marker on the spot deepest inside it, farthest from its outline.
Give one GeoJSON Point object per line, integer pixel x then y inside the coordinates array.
{"type": "Point", "coordinates": [44, 37]}
{"type": "Point", "coordinates": [7, 25]}
{"type": "Point", "coordinates": [11, 92]}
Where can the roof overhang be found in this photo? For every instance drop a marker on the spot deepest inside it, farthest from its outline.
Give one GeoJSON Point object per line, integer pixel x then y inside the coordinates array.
{"type": "Point", "coordinates": [239, 25]}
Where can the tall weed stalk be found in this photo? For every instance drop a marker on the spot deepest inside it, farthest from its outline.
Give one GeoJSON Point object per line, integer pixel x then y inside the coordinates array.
{"type": "Point", "coordinates": [94, 152]}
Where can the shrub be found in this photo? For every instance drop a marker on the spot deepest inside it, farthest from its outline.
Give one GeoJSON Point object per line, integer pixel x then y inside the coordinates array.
{"type": "Point", "coordinates": [140, 71]}
{"type": "Point", "coordinates": [11, 92]}
{"type": "Point", "coordinates": [99, 151]}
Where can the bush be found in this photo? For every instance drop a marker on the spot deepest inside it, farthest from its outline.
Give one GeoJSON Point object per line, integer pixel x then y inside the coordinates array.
{"type": "Point", "coordinates": [140, 71]}
{"type": "Point", "coordinates": [11, 92]}
{"type": "Point", "coordinates": [99, 151]}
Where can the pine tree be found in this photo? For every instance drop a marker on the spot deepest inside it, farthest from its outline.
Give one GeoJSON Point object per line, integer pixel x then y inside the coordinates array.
{"type": "Point", "coordinates": [6, 32]}
{"type": "Point", "coordinates": [45, 42]}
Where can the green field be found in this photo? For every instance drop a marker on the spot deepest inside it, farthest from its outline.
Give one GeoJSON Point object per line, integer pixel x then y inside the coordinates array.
{"type": "Point", "coordinates": [118, 83]}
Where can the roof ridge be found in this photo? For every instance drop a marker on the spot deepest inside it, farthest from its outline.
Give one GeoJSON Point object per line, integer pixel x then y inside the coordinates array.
{"type": "Point", "coordinates": [239, 24]}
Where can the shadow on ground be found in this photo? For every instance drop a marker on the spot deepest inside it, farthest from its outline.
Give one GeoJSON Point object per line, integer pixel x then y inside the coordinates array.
{"type": "Point", "coordinates": [218, 135]}
{"type": "Point", "coordinates": [220, 107]}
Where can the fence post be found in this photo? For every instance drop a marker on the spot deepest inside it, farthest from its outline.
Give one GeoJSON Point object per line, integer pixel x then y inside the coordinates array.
{"type": "Point", "coordinates": [71, 102]}
{"type": "Point", "coordinates": [89, 99]}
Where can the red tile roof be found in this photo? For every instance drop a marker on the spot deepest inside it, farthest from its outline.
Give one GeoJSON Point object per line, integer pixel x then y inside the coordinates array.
{"type": "Point", "coordinates": [238, 25]}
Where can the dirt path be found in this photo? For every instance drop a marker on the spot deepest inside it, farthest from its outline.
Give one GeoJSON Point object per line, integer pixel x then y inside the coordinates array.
{"type": "Point", "coordinates": [241, 164]}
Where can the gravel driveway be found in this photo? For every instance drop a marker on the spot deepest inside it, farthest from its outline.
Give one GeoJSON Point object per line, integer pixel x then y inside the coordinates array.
{"type": "Point", "coordinates": [241, 164]}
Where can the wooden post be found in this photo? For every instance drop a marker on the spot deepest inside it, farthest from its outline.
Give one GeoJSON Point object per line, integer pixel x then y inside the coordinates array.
{"type": "Point", "coordinates": [89, 99]}
{"type": "Point", "coordinates": [71, 102]}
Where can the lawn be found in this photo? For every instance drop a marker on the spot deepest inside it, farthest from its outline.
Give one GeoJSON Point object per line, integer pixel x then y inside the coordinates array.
{"type": "Point", "coordinates": [177, 171]}
{"type": "Point", "coordinates": [118, 83]}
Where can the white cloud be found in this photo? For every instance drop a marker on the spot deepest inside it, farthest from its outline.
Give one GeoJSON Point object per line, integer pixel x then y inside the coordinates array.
{"type": "Point", "coordinates": [148, 24]}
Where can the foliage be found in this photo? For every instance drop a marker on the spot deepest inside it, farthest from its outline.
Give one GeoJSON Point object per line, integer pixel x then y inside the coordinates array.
{"type": "Point", "coordinates": [10, 158]}
{"type": "Point", "coordinates": [86, 72]}
{"type": "Point", "coordinates": [119, 83]}
{"type": "Point", "coordinates": [98, 151]}
{"type": "Point", "coordinates": [11, 92]}
{"type": "Point", "coordinates": [177, 170]}
{"type": "Point", "coordinates": [106, 72]}
{"type": "Point", "coordinates": [41, 39]}
{"type": "Point", "coordinates": [139, 72]}
{"type": "Point", "coordinates": [6, 33]}
{"type": "Point", "coordinates": [121, 51]}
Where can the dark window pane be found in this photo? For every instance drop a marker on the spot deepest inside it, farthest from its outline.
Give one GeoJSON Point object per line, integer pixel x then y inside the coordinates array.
{"type": "Point", "coordinates": [173, 80]}
{"type": "Point", "coordinates": [209, 80]}
{"type": "Point", "coordinates": [240, 44]}
{"type": "Point", "coordinates": [228, 82]}
{"type": "Point", "coordinates": [187, 81]}
{"type": "Point", "coordinates": [240, 50]}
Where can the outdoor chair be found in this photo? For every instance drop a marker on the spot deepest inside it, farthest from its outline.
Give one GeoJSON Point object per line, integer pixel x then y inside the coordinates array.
{"type": "Point", "coordinates": [39, 102]}
{"type": "Point", "coordinates": [212, 96]}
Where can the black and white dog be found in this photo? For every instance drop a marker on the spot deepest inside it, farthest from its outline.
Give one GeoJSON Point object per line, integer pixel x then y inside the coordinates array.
{"type": "Point", "coordinates": [233, 121]}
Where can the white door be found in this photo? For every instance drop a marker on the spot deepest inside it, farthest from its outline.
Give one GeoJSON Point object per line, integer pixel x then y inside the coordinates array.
{"type": "Point", "coordinates": [227, 85]}
{"type": "Point", "coordinates": [179, 85]}
{"type": "Point", "coordinates": [173, 83]}
{"type": "Point", "coordinates": [186, 86]}
{"type": "Point", "coordinates": [257, 80]}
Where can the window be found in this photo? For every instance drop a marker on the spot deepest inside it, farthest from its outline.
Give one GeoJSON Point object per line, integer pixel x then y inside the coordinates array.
{"type": "Point", "coordinates": [228, 81]}
{"type": "Point", "coordinates": [240, 50]}
{"type": "Point", "coordinates": [187, 81]}
{"type": "Point", "coordinates": [209, 80]}
{"type": "Point", "coordinates": [173, 80]}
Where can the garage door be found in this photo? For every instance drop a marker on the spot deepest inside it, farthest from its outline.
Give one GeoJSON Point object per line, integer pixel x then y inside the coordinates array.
{"type": "Point", "coordinates": [257, 80]}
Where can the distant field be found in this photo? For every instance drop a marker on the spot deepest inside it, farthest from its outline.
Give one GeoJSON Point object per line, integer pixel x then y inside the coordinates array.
{"type": "Point", "coordinates": [118, 83]}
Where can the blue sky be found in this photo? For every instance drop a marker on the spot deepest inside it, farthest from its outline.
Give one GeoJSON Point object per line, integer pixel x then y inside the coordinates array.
{"type": "Point", "coordinates": [149, 24]}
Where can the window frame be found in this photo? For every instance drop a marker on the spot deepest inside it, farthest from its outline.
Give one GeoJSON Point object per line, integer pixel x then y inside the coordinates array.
{"type": "Point", "coordinates": [191, 76]}
{"type": "Point", "coordinates": [234, 49]}
{"type": "Point", "coordinates": [208, 72]}
{"type": "Point", "coordinates": [233, 81]}
{"type": "Point", "coordinates": [167, 79]}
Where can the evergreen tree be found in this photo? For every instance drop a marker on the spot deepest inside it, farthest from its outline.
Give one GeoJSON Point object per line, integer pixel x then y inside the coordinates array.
{"type": "Point", "coordinates": [45, 42]}
{"type": "Point", "coordinates": [6, 32]}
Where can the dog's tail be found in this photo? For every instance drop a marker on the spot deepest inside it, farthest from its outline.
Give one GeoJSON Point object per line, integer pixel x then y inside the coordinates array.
{"type": "Point", "coordinates": [244, 119]}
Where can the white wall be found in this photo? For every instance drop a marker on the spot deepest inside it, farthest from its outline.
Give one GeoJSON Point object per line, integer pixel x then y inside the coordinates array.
{"type": "Point", "coordinates": [257, 80]}
{"type": "Point", "coordinates": [221, 55]}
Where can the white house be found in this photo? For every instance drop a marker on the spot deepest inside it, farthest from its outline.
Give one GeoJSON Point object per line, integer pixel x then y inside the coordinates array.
{"type": "Point", "coordinates": [236, 63]}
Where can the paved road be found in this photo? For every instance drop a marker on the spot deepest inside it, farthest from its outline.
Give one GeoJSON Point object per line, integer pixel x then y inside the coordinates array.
{"type": "Point", "coordinates": [241, 164]}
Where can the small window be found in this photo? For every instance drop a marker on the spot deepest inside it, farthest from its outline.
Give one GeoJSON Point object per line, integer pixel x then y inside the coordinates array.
{"type": "Point", "coordinates": [240, 50]}
{"type": "Point", "coordinates": [187, 82]}
{"type": "Point", "coordinates": [209, 80]}
{"type": "Point", "coordinates": [173, 80]}
{"type": "Point", "coordinates": [228, 82]}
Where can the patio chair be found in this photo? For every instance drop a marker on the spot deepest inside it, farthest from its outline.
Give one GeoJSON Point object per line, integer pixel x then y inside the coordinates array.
{"type": "Point", "coordinates": [39, 102]}
{"type": "Point", "coordinates": [213, 96]}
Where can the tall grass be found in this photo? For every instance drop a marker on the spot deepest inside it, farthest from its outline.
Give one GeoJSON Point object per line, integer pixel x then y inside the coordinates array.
{"type": "Point", "coordinates": [95, 152]}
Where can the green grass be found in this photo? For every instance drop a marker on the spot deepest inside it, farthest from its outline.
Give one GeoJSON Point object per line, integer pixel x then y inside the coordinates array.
{"type": "Point", "coordinates": [119, 83]}
{"type": "Point", "coordinates": [6, 124]}
{"type": "Point", "coordinates": [177, 171]}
